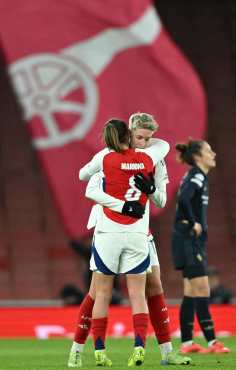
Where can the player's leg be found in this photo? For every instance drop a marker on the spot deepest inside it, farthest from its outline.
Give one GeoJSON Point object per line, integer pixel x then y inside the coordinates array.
{"type": "Point", "coordinates": [83, 326]}
{"type": "Point", "coordinates": [104, 284]}
{"type": "Point", "coordinates": [182, 246]}
{"type": "Point", "coordinates": [196, 298]}
{"type": "Point", "coordinates": [104, 262]}
{"type": "Point", "coordinates": [182, 250]}
{"type": "Point", "coordinates": [194, 268]}
{"type": "Point", "coordinates": [158, 311]}
{"type": "Point", "coordinates": [134, 262]}
{"type": "Point", "coordinates": [201, 291]}
{"type": "Point", "coordinates": [136, 290]}
{"type": "Point", "coordinates": [186, 315]}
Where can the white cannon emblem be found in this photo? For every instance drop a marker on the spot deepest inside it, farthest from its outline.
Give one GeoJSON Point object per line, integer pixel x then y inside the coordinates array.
{"type": "Point", "coordinates": [50, 86]}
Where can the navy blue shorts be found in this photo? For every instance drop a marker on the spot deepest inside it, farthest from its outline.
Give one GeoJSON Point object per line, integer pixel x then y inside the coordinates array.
{"type": "Point", "coordinates": [188, 252]}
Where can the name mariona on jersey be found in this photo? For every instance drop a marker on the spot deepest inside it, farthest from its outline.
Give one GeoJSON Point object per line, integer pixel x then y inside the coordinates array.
{"type": "Point", "coordinates": [132, 166]}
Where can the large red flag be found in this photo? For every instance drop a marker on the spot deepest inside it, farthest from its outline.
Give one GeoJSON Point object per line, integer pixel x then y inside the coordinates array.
{"type": "Point", "coordinates": [74, 64]}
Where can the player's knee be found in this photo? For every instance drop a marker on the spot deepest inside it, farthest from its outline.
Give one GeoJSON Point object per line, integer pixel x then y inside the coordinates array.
{"type": "Point", "coordinates": [136, 296]}
{"type": "Point", "coordinates": [104, 293]}
{"type": "Point", "coordinates": [92, 291]}
{"type": "Point", "coordinates": [103, 300]}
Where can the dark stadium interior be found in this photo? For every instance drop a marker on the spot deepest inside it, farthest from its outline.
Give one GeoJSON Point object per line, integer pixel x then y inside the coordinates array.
{"type": "Point", "coordinates": [35, 257]}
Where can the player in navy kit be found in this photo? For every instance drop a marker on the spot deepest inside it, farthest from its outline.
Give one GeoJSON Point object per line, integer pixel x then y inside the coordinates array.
{"type": "Point", "coordinates": [188, 246]}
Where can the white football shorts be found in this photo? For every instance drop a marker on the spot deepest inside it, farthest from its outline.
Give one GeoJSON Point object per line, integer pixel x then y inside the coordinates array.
{"type": "Point", "coordinates": [154, 261]}
{"type": "Point", "coordinates": [120, 253]}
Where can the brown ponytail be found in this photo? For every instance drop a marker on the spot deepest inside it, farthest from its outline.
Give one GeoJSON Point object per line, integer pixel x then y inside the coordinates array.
{"type": "Point", "coordinates": [188, 150]}
{"type": "Point", "coordinates": [116, 134]}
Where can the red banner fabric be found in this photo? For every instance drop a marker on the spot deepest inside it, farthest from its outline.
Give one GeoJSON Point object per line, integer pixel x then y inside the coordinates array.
{"type": "Point", "coordinates": [76, 64]}
{"type": "Point", "coordinates": [45, 323]}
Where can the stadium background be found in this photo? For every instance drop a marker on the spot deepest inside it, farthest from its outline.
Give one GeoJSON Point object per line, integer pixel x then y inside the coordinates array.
{"type": "Point", "coordinates": [35, 257]}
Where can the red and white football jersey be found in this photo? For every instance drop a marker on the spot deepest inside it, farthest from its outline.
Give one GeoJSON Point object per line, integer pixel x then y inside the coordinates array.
{"type": "Point", "coordinates": [119, 170]}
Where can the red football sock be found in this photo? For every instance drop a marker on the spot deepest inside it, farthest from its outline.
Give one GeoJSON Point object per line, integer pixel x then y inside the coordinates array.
{"type": "Point", "coordinates": [99, 327]}
{"type": "Point", "coordinates": [84, 320]}
{"type": "Point", "coordinates": [159, 317]}
{"type": "Point", "coordinates": [140, 321]}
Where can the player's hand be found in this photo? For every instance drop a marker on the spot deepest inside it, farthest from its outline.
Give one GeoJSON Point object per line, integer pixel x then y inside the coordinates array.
{"type": "Point", "coordinates": [133, 209]}
{"type": "Point", "coordinates": [145, 184]}
{"type": "Point", "coordinates": [197, 228]}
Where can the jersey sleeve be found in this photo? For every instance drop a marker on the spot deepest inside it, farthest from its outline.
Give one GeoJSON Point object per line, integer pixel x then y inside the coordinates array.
{"type": "Point", "coordinates": [94, 166]}
{"type": "Point", "coordinates": [157, 150]}
{"type": "Point", "coordinates": [159, 197]}
{"type": "Point", "coordinates": [194, 184]}
{"type": "Point", "coordinates": [95, 192]}
{"type": "Point", "coordinates": [161, 174]}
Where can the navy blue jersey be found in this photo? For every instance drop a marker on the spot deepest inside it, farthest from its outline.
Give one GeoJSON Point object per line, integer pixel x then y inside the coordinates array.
{"type": "Point", "coordinates": [192, 198]}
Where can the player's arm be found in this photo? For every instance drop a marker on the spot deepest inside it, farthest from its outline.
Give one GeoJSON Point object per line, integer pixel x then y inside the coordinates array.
{"type": "Point", "coordinates": [154, 186]}
{"type": "Point", "coordinates": [157, 150]}
{"type": "Point", "coordinates": [194, 185]}
{"type": "Point", "coordinates": [94, 191]}
{"type": "Point", "coordinates": [184, 201]}
{"type": "Point", "coordinates": [159, 197]}
{"type": "Point", "coordinates": [92, 167]}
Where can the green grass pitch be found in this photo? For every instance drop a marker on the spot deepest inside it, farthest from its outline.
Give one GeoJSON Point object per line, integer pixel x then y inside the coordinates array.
{"type": "Point", "coordinates": [17, 354]}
